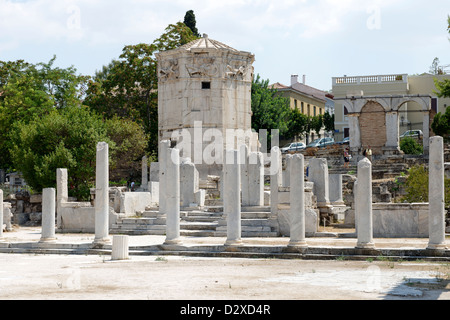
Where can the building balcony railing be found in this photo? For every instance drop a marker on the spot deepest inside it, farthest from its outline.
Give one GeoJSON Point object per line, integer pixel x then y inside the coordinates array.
{"type": "Point", "coordinates": [390, 78]}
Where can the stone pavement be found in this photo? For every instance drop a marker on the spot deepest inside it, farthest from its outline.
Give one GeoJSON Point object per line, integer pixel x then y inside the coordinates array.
{"type": "Point", "coordinates": [325, 246]}
{"type": "Point", "coordinates": [203, 269]}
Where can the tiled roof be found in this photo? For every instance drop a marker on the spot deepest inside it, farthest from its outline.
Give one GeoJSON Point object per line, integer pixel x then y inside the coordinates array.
{"type": "Point", "coordinates": [302, 88]}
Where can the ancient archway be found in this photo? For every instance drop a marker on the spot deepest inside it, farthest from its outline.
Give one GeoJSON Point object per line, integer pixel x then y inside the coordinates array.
{"type": "Point", "coordinates": [372, 122]}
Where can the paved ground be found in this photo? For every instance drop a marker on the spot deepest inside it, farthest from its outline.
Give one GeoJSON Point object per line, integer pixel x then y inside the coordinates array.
{"type": "Point", "coordinates": [85, 277]}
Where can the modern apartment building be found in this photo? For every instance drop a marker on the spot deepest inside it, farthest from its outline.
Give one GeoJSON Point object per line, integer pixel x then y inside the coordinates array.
{"type": "Point", "coordinates": [410, 115]}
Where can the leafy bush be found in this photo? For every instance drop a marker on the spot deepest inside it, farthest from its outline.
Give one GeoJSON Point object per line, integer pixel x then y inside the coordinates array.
{"type": "Point", "coordinates": [416, 186]}
{"type": "Point", "coordinates": [410, 146]}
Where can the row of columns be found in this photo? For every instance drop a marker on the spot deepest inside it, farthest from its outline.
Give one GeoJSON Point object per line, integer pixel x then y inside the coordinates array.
{"type": "Point", "coordinates": [436, 199]}
{"type": "Point", "coordinates": [233, 179]}
{"type": "Point", "coordinates": [232, 194]}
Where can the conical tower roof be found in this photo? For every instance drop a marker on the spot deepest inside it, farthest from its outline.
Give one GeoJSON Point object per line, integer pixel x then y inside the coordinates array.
{"type": "Point", "coordinates": [206, 43]}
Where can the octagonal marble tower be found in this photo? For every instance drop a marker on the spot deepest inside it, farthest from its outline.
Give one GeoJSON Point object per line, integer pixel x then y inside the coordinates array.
{"type": "Point", "coordinates": [207, 83]}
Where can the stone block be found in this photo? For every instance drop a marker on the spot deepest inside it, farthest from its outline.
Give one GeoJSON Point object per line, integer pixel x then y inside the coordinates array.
{"type": "Point", "coordinates": [311, 221]}
{"type": "Point", "coordinates": [36, 198]}
{"type": "Point", "coordinates": [400, 220]}
{"type": "Point", "coordinates": [133, 202]}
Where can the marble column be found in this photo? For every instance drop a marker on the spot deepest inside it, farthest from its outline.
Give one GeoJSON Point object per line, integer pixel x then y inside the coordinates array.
{"type": "Point", "coordinates": [287, 171]}
{"type": "Point", "coordinates": [363, 205]}
{"type": "Point", "coordinates": [354, 131]}
{"type": "Point", "coordinates": [426, 131]}
{"type": "Point", "coordinates": [256, 179]}
{"type": "Point", "coordinates": [392, 130]}
{"type": "Point", "coordinates": [189, 182]}
{"type": "Point", "coordinates": [144, 180]}
{"type": "Point", "coordinates": [232, 197]}
{"type": "Point", "coordinates": [275, 178]}
{"type": "Point", "coordinates": [163, 154]}
{"type": "Point", "coordinates": [120, 248]}
{"type": "Point", "coordinates": [48, 215]}
{"type": "Point", "coordinates": [172, 197]}
{"type": "Point", "coordinates": [244, 164]}
{"type": "Point", "coordinates": [102, 194]}
{"type": "Point", "coordinates": [436, 196]}
{"type": "Point", "coordinates": [297, 201]}
{"type": "Point", "coordinates": [1, 215]}
{"type": "Point", "coordinates": [62, 193]}
{"type": "Point", "coordinates": [335, 189]}
{"type": "Point", "coordinates": [318, 173]}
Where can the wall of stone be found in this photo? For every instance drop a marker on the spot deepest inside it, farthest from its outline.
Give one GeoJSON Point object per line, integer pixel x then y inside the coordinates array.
{"type": "Point", "coordinates": [26, 208]}
{"type": "Point", "coordinates": [372, 122]}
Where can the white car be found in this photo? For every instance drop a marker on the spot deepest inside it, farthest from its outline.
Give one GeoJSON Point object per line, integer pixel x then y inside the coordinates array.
{"type": "Point", "coordinates": [321, 142]}
{"type": "Point", "coordinates": [293, 146]}
{"type": "Point", "coordinates": [412, 134]}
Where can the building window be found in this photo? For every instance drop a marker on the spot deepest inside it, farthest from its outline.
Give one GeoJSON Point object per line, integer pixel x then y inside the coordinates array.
{"type": "Point", "coordinates": [295, 103]}
{"type": "Point", "coordinates": [309, 111]}
{"type": "Point", "coordinates": [206, 85]}
{"type": "Point", "coordinates": [303, 107]}
{"type": "Point", "coordinates": [314, 111]}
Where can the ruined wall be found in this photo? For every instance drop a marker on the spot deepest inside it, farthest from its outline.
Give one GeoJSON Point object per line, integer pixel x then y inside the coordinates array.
{"type": "Point", "coordinates": [372, 122]}
{"type": "Point", "coordinates": [26, 208]}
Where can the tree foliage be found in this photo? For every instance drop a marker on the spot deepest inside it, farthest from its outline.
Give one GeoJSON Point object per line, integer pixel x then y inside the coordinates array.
{"type": "Point", "coordinates": [417, 186]}
{"type": "Point", "coordinates": [298, 124]}
{"type": "Point", "coordinates": [272, 111]}
{"type": "Point", "coordinates": [269, 110]}
{"type": "Point", "coordinates": [443, 88]}
{"type": "Point", "coordinates": [128, 87]}
{"type": "Point", "coordinates": [328, 121]}
{"type": "Point", "coordinates": [29, 90]}
{"type": "Point", "coordinates": [435, 68]}
{"type": "Point", "coordinates": [60, 139]}
{"type": "Point", "coordinates": [410, 146]}
{"type": "Point", "coordinates": [130, 143]}
{"type": "Point", "coordinates": [190, 22]}
{"type": "Point", "coordinates": [441, 124]}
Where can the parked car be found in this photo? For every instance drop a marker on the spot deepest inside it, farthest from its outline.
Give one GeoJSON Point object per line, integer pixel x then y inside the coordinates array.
{"type": "Point", "coordinates": [321, 142]}
{"type": "Point", "coordinates": [344, 141]}
{"type": "Point", "coordinates": [412, 134]}
{"type": "Point", "coordinates": [293, 146]}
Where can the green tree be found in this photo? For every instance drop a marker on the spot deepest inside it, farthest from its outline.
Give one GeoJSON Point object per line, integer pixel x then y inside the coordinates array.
{"type": "Point", "coordinates": [298, 124]}
{"type": "Point", "coordinates": [441, 124]}
{"type": "Point", "coordinates": [128, 87]}
{"type": "Point", "coordinates": [175, 35]}
{"type": "Point", "coordinates": [190, 22]}
{"type": "Point", "coordinates": [65, 138]}
{"type": "Point", "coordinates": [28, 90]}
{"type": "Point", "coordinates": [443, 87]}
{"type": "Point", "coordinates": [328, 121]}
{"type": "Point", "coordinates": [435, 68]}
{"type": "Point", "coordinates": [269, 110]}
{"type": "Point", "coordinates": [131, 143]}
{"type": "Point", "coordinates": [316, 123]}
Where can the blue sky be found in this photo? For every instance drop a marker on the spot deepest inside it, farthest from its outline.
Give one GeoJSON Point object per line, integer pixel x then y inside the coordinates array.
{"type": "Point", "coordinates": [320, 39]}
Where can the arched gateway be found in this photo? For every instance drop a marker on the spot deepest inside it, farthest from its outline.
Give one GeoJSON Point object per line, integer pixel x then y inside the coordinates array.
{"type": "Point", "coordinates": [374, 121]}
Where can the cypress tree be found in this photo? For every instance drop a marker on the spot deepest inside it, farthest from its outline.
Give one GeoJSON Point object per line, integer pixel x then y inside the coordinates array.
{"type": "Point", "coordinates": [189, 20]}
